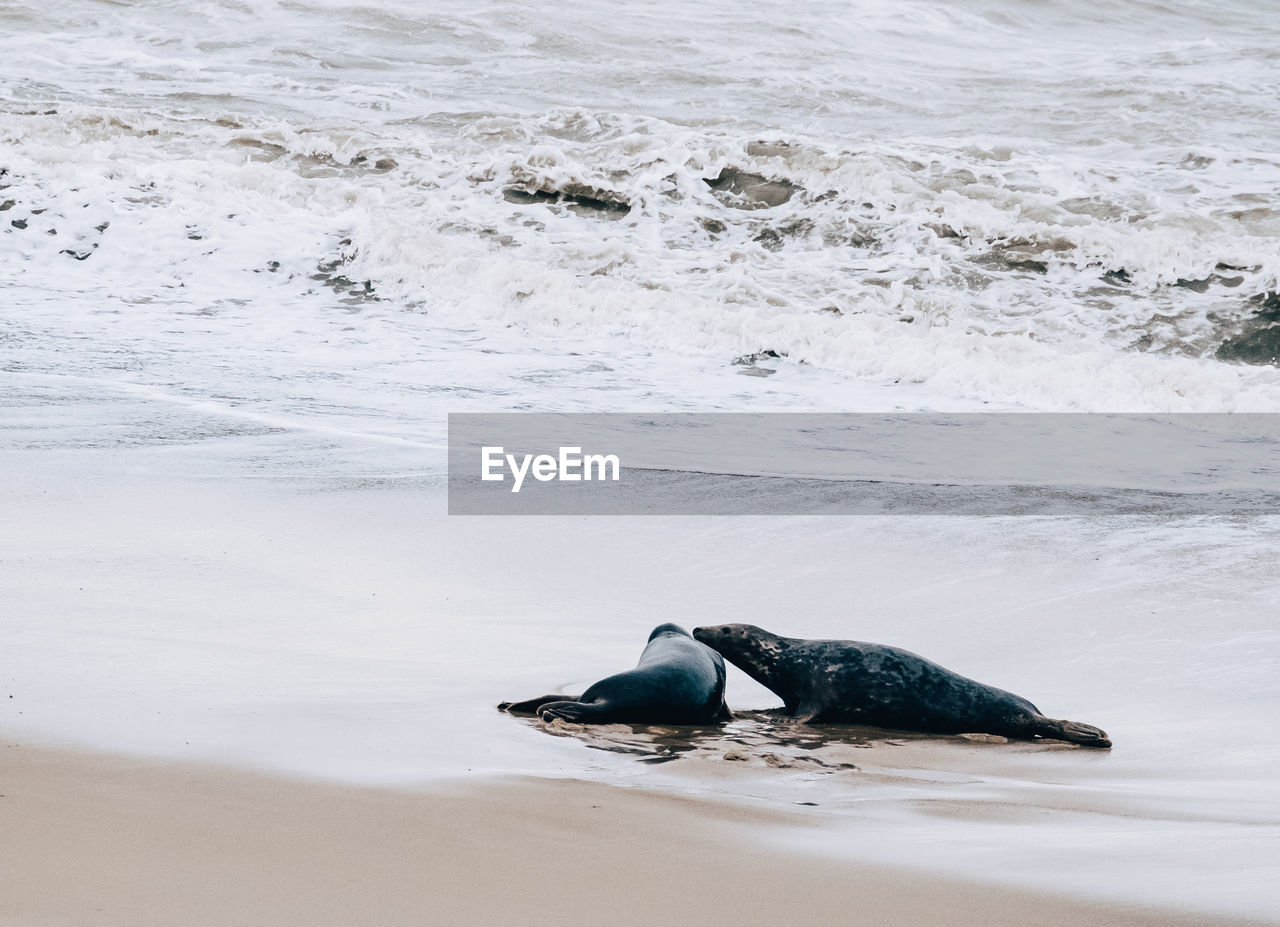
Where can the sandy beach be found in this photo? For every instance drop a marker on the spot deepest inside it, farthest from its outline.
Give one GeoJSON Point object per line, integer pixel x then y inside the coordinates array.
{"type": "Point", "coordinates": [104, 840]}
{"type": "Point", "coordinates": [240, 628]}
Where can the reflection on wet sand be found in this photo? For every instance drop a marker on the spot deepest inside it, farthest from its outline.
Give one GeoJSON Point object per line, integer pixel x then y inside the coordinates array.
{"type": "Point", "coordinates": [753, 738]}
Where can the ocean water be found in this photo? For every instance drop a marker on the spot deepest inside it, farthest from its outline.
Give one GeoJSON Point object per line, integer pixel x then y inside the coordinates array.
{"type": "Point", "coordinates": [1021, 203]}
{"type": "Point", "coordinates": [253, 252]}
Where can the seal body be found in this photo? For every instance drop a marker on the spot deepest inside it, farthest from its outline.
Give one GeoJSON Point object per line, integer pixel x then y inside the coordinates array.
{"type": "Point", "coordinates": [677, 681]}
{"type": "Point", "coordinates": [860, 683]}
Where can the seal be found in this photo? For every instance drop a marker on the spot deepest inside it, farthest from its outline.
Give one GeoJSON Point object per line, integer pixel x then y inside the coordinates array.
{"type": "Point", "coordinates": [677, 681]}
{"type": "Point", "coordinates": [860, 683]}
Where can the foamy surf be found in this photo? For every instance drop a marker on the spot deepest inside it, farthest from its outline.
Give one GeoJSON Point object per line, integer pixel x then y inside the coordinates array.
{"type": "Point", "coordinates": [985, 275]}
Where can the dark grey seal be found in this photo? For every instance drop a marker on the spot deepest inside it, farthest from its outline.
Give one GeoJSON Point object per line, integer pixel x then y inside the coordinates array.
{"type": "Point", "coordinates": [677, 681]}
{"type": "Point", "coordinates": [859, 683]}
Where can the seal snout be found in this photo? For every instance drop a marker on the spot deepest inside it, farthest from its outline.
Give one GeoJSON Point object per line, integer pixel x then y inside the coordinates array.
{"type": "Point", "coordinates": [709, 635]}
{"type": "Point", "coordinates": [724, 633]}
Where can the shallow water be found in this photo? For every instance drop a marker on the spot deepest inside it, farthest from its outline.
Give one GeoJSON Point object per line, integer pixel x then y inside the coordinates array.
{"type": "Point", "coordinates": [209, 598]}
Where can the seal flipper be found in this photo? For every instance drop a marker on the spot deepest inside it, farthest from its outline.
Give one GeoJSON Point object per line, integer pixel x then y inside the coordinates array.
{"type": "Point", "coordinates": [1073, 732]}
{"type": "Point", "coordinates": [577, 712]}
{"type": "Point", "coordinates": [806, 712]}
{"type": "Point", "coordinates": [530, 706]}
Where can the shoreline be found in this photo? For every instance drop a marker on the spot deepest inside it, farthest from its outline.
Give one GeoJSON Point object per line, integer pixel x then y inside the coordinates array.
{"type": "Point", "coordinates": [106, 839]}
{"type": "Point", "coordinates": [166, 607]}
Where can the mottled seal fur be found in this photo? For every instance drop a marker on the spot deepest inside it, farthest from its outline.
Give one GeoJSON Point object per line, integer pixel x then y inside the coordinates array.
{"type": "Point", "coordinates": [859, 683]}
{"type": "Point", "coordinates": [677, 681]}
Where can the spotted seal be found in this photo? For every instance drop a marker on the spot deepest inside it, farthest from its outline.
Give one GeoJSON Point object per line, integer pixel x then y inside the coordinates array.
{"type": "Point", "coordinates": [859, 683]}
{"type": "Point", "coordinates": [677, 681]}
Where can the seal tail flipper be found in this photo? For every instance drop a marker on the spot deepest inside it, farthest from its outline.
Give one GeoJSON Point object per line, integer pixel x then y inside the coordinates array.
{"type": "Point", "coordinates": [576, 712]}
{"type": "Point", "coordinates": [1073, 732]}
{"type": "Point", "coordinates": [530, 706]}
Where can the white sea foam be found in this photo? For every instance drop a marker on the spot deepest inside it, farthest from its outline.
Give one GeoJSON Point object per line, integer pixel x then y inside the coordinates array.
{"type": "Point", "coordinates": [1066, 250]}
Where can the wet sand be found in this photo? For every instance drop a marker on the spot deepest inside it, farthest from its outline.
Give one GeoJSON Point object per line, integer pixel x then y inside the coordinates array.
{"type": "Point", "coordinates": [92, 839]}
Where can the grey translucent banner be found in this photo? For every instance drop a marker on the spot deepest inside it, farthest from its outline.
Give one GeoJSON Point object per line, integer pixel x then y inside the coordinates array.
{"type": "Point", "coordinates": [995, 464]}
